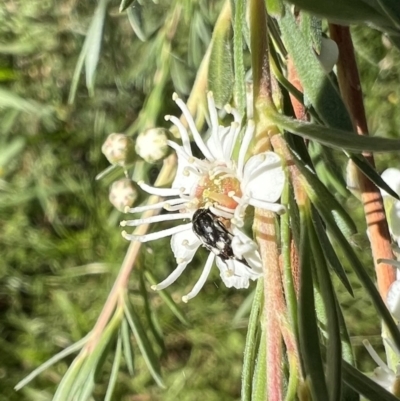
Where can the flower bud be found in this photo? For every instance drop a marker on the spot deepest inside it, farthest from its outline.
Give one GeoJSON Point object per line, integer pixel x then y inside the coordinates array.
{"type": "Point", "coordinates": [329, 54]}
{"type": "Point", "coordinates": [118, 149]}
{"type": "Point", "coordinates": [151, 145]}
{"type": "Point", "coordinates": [123, 194]}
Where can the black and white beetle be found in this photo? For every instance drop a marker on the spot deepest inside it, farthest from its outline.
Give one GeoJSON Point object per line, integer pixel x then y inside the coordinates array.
{"type": "Point", "coordinates": [214, 235]}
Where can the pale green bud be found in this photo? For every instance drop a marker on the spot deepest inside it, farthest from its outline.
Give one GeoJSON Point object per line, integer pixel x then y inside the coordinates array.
{"type": "Point", "coordinates": [119, 149]}
{"type": "Point", "coordinates": [123, 194]}
{"type": "Point", "coordinates": [151, 145]}
{"type": "Point", "coordinates": [329, 54]}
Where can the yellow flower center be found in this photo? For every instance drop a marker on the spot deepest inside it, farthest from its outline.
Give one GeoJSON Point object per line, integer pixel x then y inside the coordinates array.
{"type": "Point", "coordinates": [218, 190]}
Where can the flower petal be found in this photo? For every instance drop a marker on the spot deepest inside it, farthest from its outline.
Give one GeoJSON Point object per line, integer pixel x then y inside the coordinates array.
{"type": "Point", "coordinates": [235, 274]}
{"type": "Point", "coordinates": [184, 245]}
{"type": "Point", "coordinates": [263, 177]}
{"type": "Point", "coordinates": [392, 177]}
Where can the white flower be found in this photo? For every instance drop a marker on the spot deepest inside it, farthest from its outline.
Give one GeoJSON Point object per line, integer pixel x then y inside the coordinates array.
{"type": "Point", "coordinates": [223, 186]}
{"type": "Point", "coordinates": [392, 206]}
{"type": "Point", "coordinates": [383, 375]}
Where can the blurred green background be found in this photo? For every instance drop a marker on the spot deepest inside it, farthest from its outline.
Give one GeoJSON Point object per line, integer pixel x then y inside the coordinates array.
{"type": "Point", "coordinates": [61, 246]}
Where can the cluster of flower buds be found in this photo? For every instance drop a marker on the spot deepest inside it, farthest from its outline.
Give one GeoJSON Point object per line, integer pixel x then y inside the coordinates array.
{"type": "Point", "coordinates": [121, 150]}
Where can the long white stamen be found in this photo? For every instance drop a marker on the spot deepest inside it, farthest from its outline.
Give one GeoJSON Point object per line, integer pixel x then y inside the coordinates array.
{"type": "Point", "coordinates": [221, 213]}
{"type": "Point", "coordinates": [181, 206]}
{"type": "Point", "coordinates": [155, 206]}
{"type": "Point", "coordinates": [171, 278]}
{"type": "Point", "coordinates": [183, 132]}
{"type": "Point", "coordinates": [232, 136]}
{"type": "Point", "coordinates": [159, 191]}
{"type": "Point", "coordinates": [248, 136]}
{"type": "Point", "coordinates": [273, 207]}
{"type": "Point", "coordinates": [225, 209]}
{"type": "Point", "coordinates": [155, 219]}
{"type": "Point", "coordinates": [192, 170]}
{"type": "Point", "coordinates": [196, 136]}
{"type": "Point", "coordinates": [180, 151]}
{"type": "Point", "coordinates": [221, 169]}
{"type": "Point", "coordinates": [375, 356]}
{"type": "Point", "coordinates": [200, 283]}
{"type": "Point", "coordinates": [236, 115]}
{"type": "Point", "coordinates": [158, 234]}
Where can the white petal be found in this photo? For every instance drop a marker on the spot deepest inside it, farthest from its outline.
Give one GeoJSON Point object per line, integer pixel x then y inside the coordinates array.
{"type": "Point", "coordinates": [184, 245]}
{"type": "Point", "coordinates": [394, 221]}
{"type": "Point", "coordinates": [235, 274]}
{"type": "Point", "coordinates": [393, 299]}
{"type": "Point", "coordinates": [392, 177]}
{"type": "Point", "coordinates": [263, 177]}
{"type": "Point", "coordinates": [244, 247]}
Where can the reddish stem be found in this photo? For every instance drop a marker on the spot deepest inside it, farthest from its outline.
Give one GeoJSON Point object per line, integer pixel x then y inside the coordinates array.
{"type": "Point", "coordinates": [350, 87]}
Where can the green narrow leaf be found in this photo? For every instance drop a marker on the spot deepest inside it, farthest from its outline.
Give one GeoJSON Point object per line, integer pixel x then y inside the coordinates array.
{"type": "Point", "coordinates": [318, 87]}
{"type": "Point", "coordinates": [362, 163]}
{"type": "Point", "coordinates": [11, 150]}
{"type": "Point", "coordinates": [308, 330]}
{"type": "Point", "coordinates": [326, 166]}
{"type": "Point", "coordinates": [64, 388]}
{"type": "Point", "coordinates": [317, 191]}
{"type": "Point", "coordinates": [114, 370]}
{"type": "Point", "coordinates": [260, 370]}
{"type": "Point", "coordinates": [243, 310]}
{"type": "Point", "coordinates": [334, 345]}
{"type": "Point", "coordinates": [143, 342]}
{"type": "Point", "coordinates": [127, 347]}
{"type": "Point", "coordinates": [96, 26]}
{"type": "Point", "coordinates": [124, 5]}
{"type": "Point", "coordinates": [275, 8]}
{"type": "Point", "coordinates": [348, 393]}
{"type": "Point", "coordinates": [150, 315]}
{"type": "Point", "coordinates": [135, 18]}
{"type": "Point", "coordinates": [93, 39]}
{"type": "Point", "coordinates": [10, 100]}
{"type": "Point", "coordinates": [240, 81]}
{"type": "Point", "coordinates": [392, 10]}
{"type": "Point", "coordinates": [364, 385]}
{"type": "Point", "coordinates": [330, 255]}
{"type": "Point", "coordinates": [252, 344]}
{"type": "Point", "coordinates": [289, 228]}
{"type": "Point", "coordinates": [84, 383]}
{"type": "Point", "coordinates": [358, 268]}
{"type": "Point", "coordinates": [220, 70]}
{"type": "Point", "coordinates": [61, 355]}
{"type": "Point", "coordinates": [355, 11]}
{"type": "Point", "coordinates": [332, 137]}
